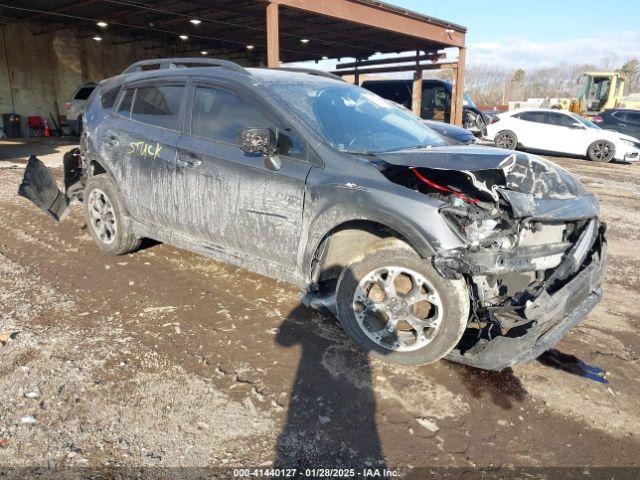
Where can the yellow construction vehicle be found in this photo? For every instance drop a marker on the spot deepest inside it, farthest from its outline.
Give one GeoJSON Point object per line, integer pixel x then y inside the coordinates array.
{"type": "Point", "coordinates": [598, 91]}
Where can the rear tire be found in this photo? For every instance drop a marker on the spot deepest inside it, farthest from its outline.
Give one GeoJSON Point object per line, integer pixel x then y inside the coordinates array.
{"type": "Point", "coordinates": [394, 304]}
{"type": "Point", "coordinates": [106, 217]}
{"type": "Point", "coordinates": [601, 151]}
{"type": "Point", "coordinates": [506, 139]}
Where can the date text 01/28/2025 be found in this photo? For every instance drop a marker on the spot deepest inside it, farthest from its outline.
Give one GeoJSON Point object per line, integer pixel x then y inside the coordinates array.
{"type": "Point", "coordinates": [316, 472]}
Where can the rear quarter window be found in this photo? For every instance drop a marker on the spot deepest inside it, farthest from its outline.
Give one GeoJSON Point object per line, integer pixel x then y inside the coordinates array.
{"type": "Point", "coordinates": [108, 97]}
{"type": "Point", "coordinates": [83, 93]}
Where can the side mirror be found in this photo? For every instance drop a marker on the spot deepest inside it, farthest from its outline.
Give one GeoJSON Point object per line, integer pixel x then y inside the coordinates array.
{"type": "Point", "coordinates": [258, 140]}
{"type": "Point", "coordinates": [577, 125]}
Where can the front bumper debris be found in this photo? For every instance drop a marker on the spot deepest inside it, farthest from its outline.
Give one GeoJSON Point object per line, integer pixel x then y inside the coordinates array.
{"type": "Point", "coordinates": [551, 314]}
{"type": "Point", "coordinates": [39, 186]}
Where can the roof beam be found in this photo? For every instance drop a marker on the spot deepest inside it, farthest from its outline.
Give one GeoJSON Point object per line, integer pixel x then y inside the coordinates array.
{"type": "Point", "coordinates": [62, 8]}
{"type": "Point", "coordinates": [433, 57]}
{"type": "Point", "coordinates": [398, 68]}
{"type": "Point", "coordinates": [377, 16]}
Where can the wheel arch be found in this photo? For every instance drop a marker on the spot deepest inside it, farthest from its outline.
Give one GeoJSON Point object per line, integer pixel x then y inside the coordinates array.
{"type": "Point", "coordinates": [348, 239]}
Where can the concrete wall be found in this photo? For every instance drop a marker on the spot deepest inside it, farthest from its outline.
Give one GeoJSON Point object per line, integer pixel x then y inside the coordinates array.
{"type": "Point", "coordinates": [45, 69]}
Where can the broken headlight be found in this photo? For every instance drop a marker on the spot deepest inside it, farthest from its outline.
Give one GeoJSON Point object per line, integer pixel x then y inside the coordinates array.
{"type": "Point", "coordinates": [479, 227]}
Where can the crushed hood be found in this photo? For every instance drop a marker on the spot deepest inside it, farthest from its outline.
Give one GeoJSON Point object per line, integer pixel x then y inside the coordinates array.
{"type": "Point", "coordinates": [534, 187]}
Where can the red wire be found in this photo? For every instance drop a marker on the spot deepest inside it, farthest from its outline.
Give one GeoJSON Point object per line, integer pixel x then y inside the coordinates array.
{"type": "Point", "coordinates": [442, 188]}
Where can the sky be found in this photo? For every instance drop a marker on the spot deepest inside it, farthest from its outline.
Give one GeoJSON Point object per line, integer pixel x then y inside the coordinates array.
{"type": "Point", "coordinates": [533, 34]}
{"type": "Point", "coordinates": [541, 33]}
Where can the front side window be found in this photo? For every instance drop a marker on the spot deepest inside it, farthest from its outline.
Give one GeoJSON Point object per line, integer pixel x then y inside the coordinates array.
{"type": "Point", "coordinates": [219, 115]}
{"type": "Point", "coordinates": [560, 120]}
{"type": "Point", "coordinates": [158, 105]}
{"type": "Point", "coordinates": [587, 123]}
{"type": "Point", "coordinates": [352, 119]}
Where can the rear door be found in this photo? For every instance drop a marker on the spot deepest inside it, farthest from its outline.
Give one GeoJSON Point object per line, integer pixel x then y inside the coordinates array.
{"type": "Point", "coordinates": [146, 134]}
{"type": "Point", "coordinates": [235, 202]}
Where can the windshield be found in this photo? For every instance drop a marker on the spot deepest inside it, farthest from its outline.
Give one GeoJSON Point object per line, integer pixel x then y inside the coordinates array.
{"type": "Point", "coordinates": [355, 120]}
{"type": "Point", "coordinates": [586, 122]}
{"type": "Point", "coordinates": [468, 102]}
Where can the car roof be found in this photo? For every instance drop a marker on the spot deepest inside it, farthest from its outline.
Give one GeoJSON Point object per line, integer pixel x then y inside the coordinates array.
{"type": "Point", "coordinates": [545, 110]}
{"type": "Point", "coordinates": [247, 75]}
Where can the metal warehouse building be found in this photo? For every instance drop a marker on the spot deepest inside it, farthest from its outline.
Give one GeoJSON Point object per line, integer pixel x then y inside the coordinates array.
{"type": "Point", "coordinates": [50, 47]}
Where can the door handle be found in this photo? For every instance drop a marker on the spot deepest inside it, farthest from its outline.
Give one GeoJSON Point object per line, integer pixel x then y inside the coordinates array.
{"type": "Point", "coordinates": [190, 159]}
{"type": "Point", "coordinates": [111, 140]}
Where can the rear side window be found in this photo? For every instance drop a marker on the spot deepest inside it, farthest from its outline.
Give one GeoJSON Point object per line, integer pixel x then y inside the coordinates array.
{"type": "Point", "coordinates": [537, 117]}
{"type": "Point", "coordinates": [125, 104]}
{"type": "Point", "coordinates": [219, 115]}
{"type": "Point", "coordinates": [108, 98]}
{"type": "Point", "coordinates": [83, 93]}
{"type": "Point", "coordinates": [158, 105]}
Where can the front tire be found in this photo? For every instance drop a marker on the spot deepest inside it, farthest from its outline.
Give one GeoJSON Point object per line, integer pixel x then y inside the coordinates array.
{"type": "Point", "coordinates": [601, 151]}
{"type": "Point", "coordinates": [394, 304]}
{"type": "Point", "coordinates": [506, 139]}
{"type": "Point", "coordinates": [106, 217]}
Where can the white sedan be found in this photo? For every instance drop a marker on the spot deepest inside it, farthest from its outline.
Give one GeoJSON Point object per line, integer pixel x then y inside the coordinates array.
{"type": "Point", "coordinates": [558, 131]}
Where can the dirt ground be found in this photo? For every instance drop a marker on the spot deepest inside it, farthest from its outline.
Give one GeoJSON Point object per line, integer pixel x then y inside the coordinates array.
{"type": "Point", "coordinates": [166, 358]}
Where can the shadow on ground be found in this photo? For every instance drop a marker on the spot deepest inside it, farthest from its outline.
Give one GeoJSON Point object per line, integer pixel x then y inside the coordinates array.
{"type": "Point", "coordinates": [331, 415]}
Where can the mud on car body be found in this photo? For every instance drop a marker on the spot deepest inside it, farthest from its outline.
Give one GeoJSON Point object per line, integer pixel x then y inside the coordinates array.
{"type": "Point", "coordinates": [421, 249]}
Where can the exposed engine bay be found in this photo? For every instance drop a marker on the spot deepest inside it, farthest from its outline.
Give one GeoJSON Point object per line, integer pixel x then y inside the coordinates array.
{"type": "Point", "coordinates": [524, 242]}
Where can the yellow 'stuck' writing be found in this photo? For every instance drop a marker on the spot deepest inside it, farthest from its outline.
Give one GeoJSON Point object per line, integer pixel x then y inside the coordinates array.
{"type": "Point", "coordinates": [144, 149]}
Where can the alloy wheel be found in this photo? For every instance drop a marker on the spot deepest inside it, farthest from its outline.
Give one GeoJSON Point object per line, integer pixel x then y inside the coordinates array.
{"type": "Point", "coordinates": [398, 308]}
{"type": "Point", "coordinates": [102, 216]}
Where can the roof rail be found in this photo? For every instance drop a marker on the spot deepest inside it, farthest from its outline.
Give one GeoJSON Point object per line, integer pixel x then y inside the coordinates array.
{"type": "Point", "coordinates": [312, 71]}
{"type": "Point", "coordinates": [171, 63]}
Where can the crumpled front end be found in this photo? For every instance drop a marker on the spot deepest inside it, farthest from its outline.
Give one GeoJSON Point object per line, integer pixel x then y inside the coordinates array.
{"type": "Point", "coordinates": [514, 321]}
{"type": "Point", "coordinates": [533, 253]}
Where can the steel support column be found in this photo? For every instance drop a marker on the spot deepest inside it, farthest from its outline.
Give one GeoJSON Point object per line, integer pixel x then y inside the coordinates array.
{"type": "Point", "coordinates": [454, 103]}
{"type": "Point", "coordinates": [416, 95]}
{"type": "Point", "coordinates": [273, 36]}
{"type": "Point", "coordinates": [459, 85]}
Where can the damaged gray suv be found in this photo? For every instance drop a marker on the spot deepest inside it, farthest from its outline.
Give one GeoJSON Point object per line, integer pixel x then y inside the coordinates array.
{"type": "Point", "coordinates": [421, 249]}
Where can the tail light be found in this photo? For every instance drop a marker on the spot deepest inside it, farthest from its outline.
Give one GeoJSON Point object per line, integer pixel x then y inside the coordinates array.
{"type": "Point", "coordinates": [494, 119]}
{"type": "Point", "coordinates": [67, 106]}
{"type": "Point", "coordinates": [597, 119]}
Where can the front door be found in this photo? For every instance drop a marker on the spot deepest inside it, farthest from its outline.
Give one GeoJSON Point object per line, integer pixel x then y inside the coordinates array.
{"type": "Point", "coordinates": [234, 201]}
{"type": "Point", "coordinates": [570, 135]}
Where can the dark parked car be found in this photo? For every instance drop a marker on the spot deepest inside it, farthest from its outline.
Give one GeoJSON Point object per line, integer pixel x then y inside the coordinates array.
{"type": "Point", "coordinates": [623, 121]}
{"type": "Point", "coordinates": [421, 249]}
{"type": "Point", "coordinates": [436, 101]}
{"type": "Point", "coordinates": [452, 132]}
